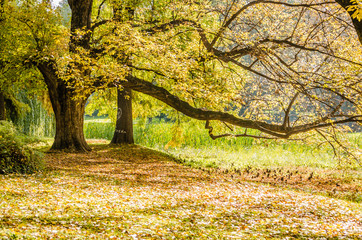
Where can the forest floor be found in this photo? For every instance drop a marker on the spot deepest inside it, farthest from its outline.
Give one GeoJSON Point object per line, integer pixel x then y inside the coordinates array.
{"type": "Point", "coordinates": [131, 192]}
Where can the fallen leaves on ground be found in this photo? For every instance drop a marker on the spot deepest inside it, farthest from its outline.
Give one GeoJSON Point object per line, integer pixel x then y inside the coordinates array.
{"type": "Point", "coordinates": [130, 192]}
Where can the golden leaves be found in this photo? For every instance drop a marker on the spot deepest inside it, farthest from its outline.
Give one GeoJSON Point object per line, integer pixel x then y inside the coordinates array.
{"type": "Point", "coordinates": [356, 8]}
{"type": "Point", "coordinates": [132, 192]}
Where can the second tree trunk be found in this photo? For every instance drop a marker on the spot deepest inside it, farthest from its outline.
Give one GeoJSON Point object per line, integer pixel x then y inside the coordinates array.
{"type": "Point", "coordinates": [124, 124]}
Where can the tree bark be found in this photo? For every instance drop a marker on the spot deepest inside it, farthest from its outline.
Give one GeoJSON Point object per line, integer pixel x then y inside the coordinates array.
{"type": "Point", "coordinates": [68, 111]}
{"type": "Point", "coordinates": [124, 125]}
{"type": "Point", "coordinates": [69, 115]}
{"type": "Point", "coordinates": [2, 106]}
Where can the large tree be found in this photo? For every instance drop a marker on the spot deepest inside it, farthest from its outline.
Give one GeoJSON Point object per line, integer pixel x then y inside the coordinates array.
{"type": "Point", "coordinates": [124, 124]}
{"type": "Point", "coordinates": [280, 61]}
{"type": "Point", "coordinates": [69, 113]}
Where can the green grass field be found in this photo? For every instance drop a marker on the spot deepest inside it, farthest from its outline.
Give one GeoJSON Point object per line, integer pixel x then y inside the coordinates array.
{"type": "Point", "coordinates": [192, 141]}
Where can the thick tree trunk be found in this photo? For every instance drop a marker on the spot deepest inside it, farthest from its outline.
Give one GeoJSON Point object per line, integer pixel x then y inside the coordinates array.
{"type": "Point", "coordinates": [69, 112]}
{"type": "Point", "coordinates": [69, 118]}
{"type": "Point", "coordinates": [124, 125]}
{"type": "Point", "coordinates": [2, 106]}
{"type": "Point", "coordinates": [69, 134]}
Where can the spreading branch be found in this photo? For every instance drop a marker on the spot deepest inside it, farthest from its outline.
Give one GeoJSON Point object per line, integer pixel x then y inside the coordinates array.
{"type": "Point", "coordinates": [276, 130]}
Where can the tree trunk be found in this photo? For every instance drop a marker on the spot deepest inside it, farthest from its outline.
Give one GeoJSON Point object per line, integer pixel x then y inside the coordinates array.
{"type": "Point", "coordinates": [124, 125]}
{"type": "Point", "coordinates": [68, 111]}
{"type": "Point", "coordinates": [69, 126]}
{"type": "Point", "coordinates": [2, 106]}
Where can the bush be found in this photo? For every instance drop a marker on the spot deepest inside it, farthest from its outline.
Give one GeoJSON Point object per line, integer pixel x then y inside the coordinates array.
{"type": "Point", "coordinates": [15, 155]}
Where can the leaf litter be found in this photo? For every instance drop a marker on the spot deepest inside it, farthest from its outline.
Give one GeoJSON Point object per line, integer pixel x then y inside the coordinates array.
{"type": "Point", "coordinates": [131, 192]}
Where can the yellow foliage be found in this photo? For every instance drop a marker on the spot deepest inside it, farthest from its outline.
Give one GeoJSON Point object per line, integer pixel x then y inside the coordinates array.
{"type": "Point", "coordinates": [356, 9]}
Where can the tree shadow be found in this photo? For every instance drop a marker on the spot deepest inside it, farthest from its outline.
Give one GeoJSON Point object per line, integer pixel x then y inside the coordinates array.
{"type": "Point", "coordinates": [133, 164]}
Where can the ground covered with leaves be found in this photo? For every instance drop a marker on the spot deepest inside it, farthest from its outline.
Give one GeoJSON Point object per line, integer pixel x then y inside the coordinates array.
{"type": "Point", "coordinates": [130, 192]}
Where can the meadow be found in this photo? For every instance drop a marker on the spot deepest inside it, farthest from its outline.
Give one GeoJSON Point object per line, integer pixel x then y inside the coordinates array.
{"type": "Point", "coordinates": [284, 163]}
{"type": "Point", "coordinates": [191, 140]}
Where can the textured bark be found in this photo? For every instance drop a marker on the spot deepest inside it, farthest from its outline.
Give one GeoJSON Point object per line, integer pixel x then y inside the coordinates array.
{"type": "Point", "coordinates": [69, 116]}
{"type": "Point", "coordinates": [124, 125]}
{"type": "Point", "coordinates": [69, 113]}
{"type": "Point", "coordinates": [2, 106]}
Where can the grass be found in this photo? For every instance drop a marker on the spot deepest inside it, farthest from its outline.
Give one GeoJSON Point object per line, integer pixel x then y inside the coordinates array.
{"type": "Point", "coordinates": [158, 133]}
{"type": "Point", "coordinates": [193, 142]}
{"type": "Point", "coordinates": [98, 129]}
{"type": "Point", "coordinates": [131, 192]}
{"type": "Point", "coordinates": [273, 162]}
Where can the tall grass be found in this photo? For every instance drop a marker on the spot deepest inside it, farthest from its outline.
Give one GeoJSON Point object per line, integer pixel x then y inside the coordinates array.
{"type": "Point", "coordinates": [356, 138]}
{"type": "Point", "coordinates": [157, 134]}
{"type": "Point", "coordinates": [98, 129]}
{"type": "Point", "coordinates": [195, 146]}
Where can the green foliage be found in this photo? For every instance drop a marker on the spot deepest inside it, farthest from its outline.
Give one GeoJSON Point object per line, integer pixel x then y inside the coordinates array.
{"type": "Point", "coordinates": [157, 133]}
{"type": "Point", "coordinates": [356, 138]}
{"type": "Point", "coordinates": [143, 106]}
{"type": "Point", "coordinates": [39, 122]}
{"type": "Point", "coordinates": [15, 155]}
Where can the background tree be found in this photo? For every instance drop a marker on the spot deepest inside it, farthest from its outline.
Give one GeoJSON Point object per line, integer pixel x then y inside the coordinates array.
{"type": "Point", "coordinates": [19, 80]}
{"type": "Point", "coordinates": [124, 125]}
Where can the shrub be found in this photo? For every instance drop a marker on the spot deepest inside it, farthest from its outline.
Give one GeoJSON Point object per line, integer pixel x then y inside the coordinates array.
{"type": "Point", "coordinates": [15, 155]}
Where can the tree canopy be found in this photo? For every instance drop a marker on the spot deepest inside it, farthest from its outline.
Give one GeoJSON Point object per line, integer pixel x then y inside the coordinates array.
{"type": "Point", "coordinates": [284, 68]}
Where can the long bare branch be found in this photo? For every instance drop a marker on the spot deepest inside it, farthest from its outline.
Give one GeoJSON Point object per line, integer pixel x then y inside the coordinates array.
{"type": "Point", "coordinates": [276, 130]}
